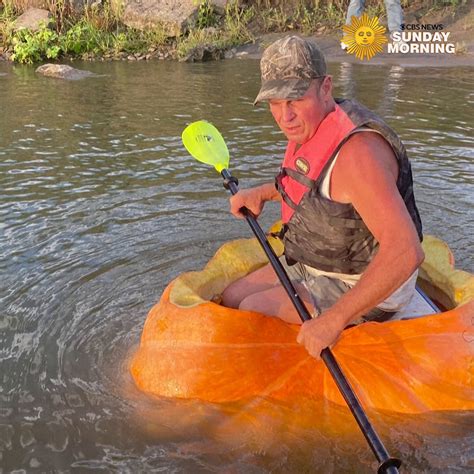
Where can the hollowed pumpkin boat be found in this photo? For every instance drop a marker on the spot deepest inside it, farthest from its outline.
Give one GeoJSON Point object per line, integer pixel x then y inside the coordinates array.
{"type": "Point", "coordinates": [192, 347]}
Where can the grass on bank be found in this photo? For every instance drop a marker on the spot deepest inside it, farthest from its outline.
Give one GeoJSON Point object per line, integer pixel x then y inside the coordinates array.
{"type": "Point", "coordinates": [98, 31]}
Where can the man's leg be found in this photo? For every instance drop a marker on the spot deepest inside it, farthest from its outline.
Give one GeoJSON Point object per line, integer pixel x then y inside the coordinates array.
{"type": "Point", "coordinates": [276, 302]}
{"type": "Point", "coordinates": [356, 8]}
{"type": "Point", "coordinates": [394, 15]}
{"type": "Point", "coordinates": [261, 291]}
{"type": "Point", "coordinates": [260, 280]}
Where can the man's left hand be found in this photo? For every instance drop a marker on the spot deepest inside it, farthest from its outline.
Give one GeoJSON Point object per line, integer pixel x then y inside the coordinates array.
{"type": "Point", "coordinates": [319, 333]}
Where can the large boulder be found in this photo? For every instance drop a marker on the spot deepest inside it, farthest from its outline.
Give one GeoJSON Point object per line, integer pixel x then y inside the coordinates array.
{"type": "Point", "coordinates": [175, 16]}
{"type": "Point", "coordinates": [32, 19]}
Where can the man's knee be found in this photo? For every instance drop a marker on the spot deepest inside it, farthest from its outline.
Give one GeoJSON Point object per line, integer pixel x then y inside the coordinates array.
{"type": "Point", "coordinates": [269, 302]}
{"type": "Point", "coordinates": [274, 303]}
{"type": "Point", "coordinates": [255, 282]}
{"type": "Point", "coordinates": [251, 302]}
{"type": "Point", "coordinates": [231, 296]}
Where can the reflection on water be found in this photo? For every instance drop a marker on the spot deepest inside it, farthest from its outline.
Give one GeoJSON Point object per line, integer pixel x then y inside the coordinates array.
{"type": "Point", "coordinates": [101, 206]}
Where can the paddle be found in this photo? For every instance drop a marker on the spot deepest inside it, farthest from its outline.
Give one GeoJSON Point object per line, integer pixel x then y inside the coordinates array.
{"type": "Point", "coordinates": [204, 142]}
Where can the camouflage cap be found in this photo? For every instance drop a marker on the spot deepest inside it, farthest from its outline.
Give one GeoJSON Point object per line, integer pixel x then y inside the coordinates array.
{"type": "Point", "coordinates": [287, 68]}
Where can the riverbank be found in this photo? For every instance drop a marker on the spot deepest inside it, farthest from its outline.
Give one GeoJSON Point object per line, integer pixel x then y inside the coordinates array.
{"type": "Point", "coordinates": [239, 32]}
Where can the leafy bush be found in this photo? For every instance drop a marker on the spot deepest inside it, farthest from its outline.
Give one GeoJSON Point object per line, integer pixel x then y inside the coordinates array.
{"type": "Point", "coordinates": [33, 46]}
{"type": "Point", "coordinates": [83, 37]}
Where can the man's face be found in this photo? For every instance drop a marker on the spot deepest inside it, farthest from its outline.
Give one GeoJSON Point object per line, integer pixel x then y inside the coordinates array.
{"type": "Point", "coordinates": [299, 118]}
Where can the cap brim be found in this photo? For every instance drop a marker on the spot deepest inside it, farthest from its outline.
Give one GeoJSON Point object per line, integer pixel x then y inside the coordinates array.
{"type": "Point", "coordinates": [283, 89]}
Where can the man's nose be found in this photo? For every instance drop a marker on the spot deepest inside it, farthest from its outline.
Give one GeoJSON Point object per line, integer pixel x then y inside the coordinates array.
{"type": "Point", "coordinates": [287, 113]}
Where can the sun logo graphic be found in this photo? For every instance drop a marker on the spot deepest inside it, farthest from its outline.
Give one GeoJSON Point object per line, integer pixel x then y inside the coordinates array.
{"type": "Point", "coordinates": [364, 37]}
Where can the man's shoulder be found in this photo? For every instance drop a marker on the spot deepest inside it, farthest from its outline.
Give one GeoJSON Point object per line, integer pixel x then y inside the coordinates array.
{"type": "Point", "coordinates": [353, 105]}
{"type": "Point", "coordinates": [364, 162]}
{"type": "Point", "coordinates": [361, 115]}
{"type": "Point", "coordinates": [367, 141]}
{"type": "Point", "coordinates": [364, 151]}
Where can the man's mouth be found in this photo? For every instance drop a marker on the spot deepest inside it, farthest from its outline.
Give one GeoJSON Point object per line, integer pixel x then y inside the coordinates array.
{"type": "Point", "coordinates": [291, 129]}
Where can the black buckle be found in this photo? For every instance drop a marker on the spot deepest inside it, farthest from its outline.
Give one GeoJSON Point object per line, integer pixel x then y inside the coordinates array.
{"type": "Point", "coordinates": [227, 182]}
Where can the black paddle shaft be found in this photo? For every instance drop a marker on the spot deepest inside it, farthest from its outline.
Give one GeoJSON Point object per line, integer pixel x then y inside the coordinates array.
{"type": "Point", "coordinates": [387, 464]}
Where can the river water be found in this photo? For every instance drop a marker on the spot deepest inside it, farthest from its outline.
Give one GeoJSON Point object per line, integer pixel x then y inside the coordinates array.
{"type": "Point", "coordinates": [101, 207]}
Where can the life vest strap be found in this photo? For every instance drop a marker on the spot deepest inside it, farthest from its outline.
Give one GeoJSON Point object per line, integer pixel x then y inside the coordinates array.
{"type": "Point", "coordinates": [280, 188]}
{"type": "Point", "coordinates": [300, 177]}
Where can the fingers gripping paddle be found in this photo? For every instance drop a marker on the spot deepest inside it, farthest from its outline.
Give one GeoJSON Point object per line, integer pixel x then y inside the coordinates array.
{"type": "Point", "coordinates": [205, 143]}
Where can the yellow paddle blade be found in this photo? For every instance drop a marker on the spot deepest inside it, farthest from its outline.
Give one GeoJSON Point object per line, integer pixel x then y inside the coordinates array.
{"type": "Point", "coordinates": [204, 142]}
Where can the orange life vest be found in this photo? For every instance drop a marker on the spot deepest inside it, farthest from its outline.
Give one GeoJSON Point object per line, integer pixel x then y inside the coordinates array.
{"type": "Point", "coordinates": [309, 159]}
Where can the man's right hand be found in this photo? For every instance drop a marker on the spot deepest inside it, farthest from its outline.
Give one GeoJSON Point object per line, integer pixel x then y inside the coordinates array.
{"type": "Point", "coordinates": [253, 199]}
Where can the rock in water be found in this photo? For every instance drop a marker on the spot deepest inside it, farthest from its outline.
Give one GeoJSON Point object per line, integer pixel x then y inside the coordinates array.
{"type": "Point", "coordinates": [61, 71]}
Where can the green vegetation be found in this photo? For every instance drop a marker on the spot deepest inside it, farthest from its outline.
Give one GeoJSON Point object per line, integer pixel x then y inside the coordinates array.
{"type": "Point", "coordinates": [207, 16]}
{"type": "Point", "coordinates": [32, 47]}
{"type": "Point", "coordinates": [98, 32]}
{"type": "Point", "coordinates": [221, 33]}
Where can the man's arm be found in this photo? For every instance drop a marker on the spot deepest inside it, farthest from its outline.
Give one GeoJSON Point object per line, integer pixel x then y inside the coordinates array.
{"type": "Point", "coordinates": [253, 199]}
{"type": "Point", "coordinates": [365, 175]}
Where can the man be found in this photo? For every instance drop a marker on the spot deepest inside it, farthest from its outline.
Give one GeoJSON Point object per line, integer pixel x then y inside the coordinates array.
{"type": "Point", "coordinates": [352, 229]}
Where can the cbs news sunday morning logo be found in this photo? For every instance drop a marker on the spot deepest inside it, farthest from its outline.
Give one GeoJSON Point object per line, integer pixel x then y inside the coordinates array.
{"type": "Point", "coordinates": [365, 37]}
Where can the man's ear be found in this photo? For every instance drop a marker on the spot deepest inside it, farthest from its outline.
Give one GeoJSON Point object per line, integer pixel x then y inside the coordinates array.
{"type": "Point", "coordinates": [326, 86]}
